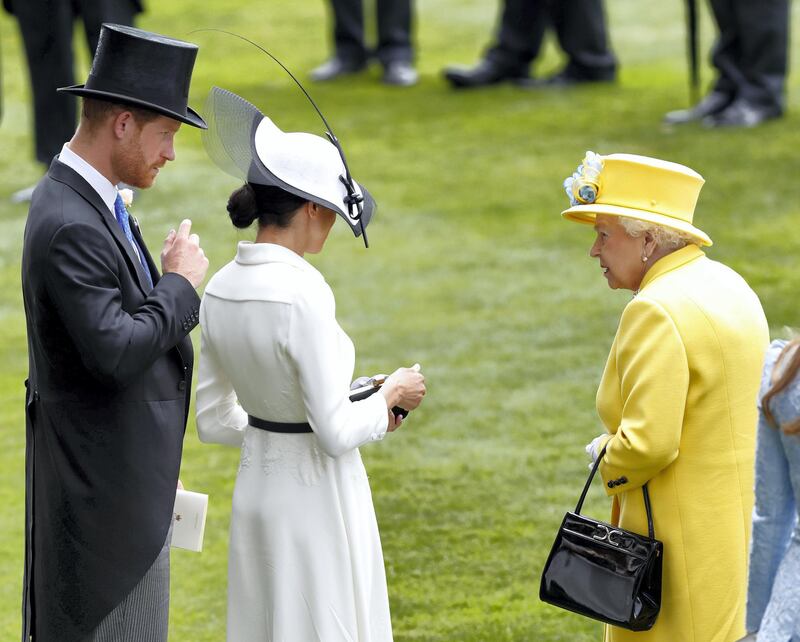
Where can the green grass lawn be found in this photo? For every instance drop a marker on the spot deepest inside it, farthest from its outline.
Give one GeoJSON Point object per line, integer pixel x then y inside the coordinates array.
{"type": "Point", "coordinates": [471, 272]}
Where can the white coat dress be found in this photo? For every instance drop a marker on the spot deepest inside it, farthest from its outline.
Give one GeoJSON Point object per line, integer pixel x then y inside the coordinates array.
{"type": "Point", "coordinates": [305, 561]}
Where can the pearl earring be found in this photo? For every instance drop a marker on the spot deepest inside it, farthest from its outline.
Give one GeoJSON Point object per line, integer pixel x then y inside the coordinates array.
{"type": "Point", "coordinates": [644, 258]}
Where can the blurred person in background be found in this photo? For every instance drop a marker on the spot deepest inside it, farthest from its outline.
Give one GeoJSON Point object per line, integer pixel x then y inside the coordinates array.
{"type": "Point", "coordinates": [773, 594]}
{"type": "Point", "coordinates": [678, 394]}
{"type": "Point", "coordinates": [47, 28]}
{"type": "Point", "coordinates": [351, 53]}
{"type": "Point", "coordinates": [751, 60]}
{"type": "Point", "coordinates": [580, 27]}
{"type": "Point", "coordinates": [1, 85]}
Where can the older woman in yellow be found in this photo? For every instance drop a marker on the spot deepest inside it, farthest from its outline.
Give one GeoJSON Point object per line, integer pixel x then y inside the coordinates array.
{"type": "Point", "coordinates": [678, 395]}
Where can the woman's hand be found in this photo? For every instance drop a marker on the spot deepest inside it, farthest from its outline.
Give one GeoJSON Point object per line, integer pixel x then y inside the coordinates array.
{"type": "Point", "coordinates": [405, 387]}
{"type": "Point", "coordinates": [595, 446]}
{"type": "Point", "coordinates": [394, 421]}
{"type": "Point", "coordinates": [593, 449]}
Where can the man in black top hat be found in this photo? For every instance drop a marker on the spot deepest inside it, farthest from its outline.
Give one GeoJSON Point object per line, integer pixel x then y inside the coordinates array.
{"type": "Point", "coordinates": [110, 361]}
{"type": "Point", "coordinates": [751, 58]}
{"type": "Point", "coordinates": [579, 26]}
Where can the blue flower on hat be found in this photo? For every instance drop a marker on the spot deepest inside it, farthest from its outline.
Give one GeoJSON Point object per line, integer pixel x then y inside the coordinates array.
{"type": "Point", "coordinates": [583, 187]}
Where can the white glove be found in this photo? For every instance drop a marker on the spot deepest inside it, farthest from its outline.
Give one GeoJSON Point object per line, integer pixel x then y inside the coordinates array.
{"type": "Point", "coordinates": [593, 449]}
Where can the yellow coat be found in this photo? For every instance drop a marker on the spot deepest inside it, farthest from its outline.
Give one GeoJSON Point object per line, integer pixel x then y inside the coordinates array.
{"type": "Point", "coordinates": [678, 396]}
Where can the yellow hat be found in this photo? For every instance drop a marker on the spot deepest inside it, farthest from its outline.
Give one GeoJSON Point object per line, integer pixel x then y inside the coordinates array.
{"type": "Point", "coordinates": [637, 187]}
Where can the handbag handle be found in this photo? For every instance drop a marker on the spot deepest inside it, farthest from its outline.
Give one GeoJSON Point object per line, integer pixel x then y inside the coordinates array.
{"type": "Point", "coordinates": [644, 492]}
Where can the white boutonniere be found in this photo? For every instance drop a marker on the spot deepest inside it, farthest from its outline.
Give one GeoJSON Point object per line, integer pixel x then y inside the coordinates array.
{"type": "Point", "coordinates": [127, 197]}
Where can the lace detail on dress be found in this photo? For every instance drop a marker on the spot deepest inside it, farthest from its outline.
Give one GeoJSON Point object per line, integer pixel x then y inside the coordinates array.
{"type": "Point", "coordinates": [244, 460]}
{"type": "Point", "coordinates": [297, 455]}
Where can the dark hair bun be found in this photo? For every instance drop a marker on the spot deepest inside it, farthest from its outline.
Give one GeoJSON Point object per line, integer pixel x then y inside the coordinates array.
{"type": "Point", "coordinates": [242, 207]}
{"type": "Point", "coordinates": [268, 204]}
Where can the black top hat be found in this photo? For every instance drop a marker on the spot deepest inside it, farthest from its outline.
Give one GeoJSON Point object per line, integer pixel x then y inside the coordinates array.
{"type": "Point", "coordinates": [142, 69]}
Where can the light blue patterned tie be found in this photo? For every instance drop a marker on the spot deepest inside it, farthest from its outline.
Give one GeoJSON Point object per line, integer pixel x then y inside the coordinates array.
{"type": "Point", "coordinates": [123, 219]}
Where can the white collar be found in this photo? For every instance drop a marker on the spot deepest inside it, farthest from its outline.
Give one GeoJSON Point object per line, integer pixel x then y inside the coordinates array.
{"type": "Point", "coordinates": [99, 183]}
{"type": "Point", "coordinates": [249, 253]}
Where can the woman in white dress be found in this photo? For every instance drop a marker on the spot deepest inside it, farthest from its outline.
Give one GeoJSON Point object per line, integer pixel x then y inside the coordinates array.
{"type": "Point", "coordinates": [305, 561]}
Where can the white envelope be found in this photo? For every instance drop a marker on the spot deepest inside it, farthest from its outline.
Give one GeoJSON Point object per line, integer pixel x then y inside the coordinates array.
{"type": "Point", "coordinates": [189, 520]}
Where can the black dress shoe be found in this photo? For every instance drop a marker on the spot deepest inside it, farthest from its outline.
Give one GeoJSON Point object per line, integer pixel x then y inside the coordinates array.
{"type": "Point", "coordinates": [712, 104]}
{"type": "Point", "coordinates": [486, 72]}
{"type": "Point", "coordinates": [336, 67]}
{"type": "Point", "coordinates": [741, 113]}
{"type": "Point", "coordinates": [400, 73]}
{"type": "Point", "coordinates": [565, 78]}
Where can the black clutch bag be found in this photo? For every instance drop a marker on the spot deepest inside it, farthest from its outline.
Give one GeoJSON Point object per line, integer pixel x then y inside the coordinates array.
{"type": "Point", "coordinates": [605, 572]}
{"type": "Point", "coordinates": [364, 387]}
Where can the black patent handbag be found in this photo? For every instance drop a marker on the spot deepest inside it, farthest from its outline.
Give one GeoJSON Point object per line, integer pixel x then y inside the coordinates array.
{"type": "Point", "coordinates": [605, 572]}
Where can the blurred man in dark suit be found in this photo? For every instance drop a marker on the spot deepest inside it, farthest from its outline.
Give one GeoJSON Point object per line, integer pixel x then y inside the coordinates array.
{"type": "Point", "coordinates": [393, 49]}
{"type": "Point", "coordinates": [47, 28]}
{"type": "Point", "coordinates": [751, 58]}
{"type": "Point", "coordinates": [581, 31]}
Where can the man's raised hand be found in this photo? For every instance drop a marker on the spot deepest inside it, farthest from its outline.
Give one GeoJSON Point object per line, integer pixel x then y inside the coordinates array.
{"type": "Point", "coordinates": [183, 255]}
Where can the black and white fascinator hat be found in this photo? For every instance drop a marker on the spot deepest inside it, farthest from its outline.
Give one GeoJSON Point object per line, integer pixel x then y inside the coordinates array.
{"type": "Point", "coordinates": [245, 143]}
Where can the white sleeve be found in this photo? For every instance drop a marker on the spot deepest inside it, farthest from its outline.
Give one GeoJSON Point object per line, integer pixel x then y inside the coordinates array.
{"type": "Point", "coordinates": [220, 418]}
{"type": "Point", "coordinates": [313, 347]}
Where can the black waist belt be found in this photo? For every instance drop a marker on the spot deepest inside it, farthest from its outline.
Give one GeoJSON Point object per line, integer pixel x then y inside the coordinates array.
{"type": "Point", "coordinates": [274, 426]}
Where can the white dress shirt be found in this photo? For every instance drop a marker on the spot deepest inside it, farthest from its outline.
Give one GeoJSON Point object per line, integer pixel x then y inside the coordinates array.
{"type": "Point", "coordinates": [99, 183]}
